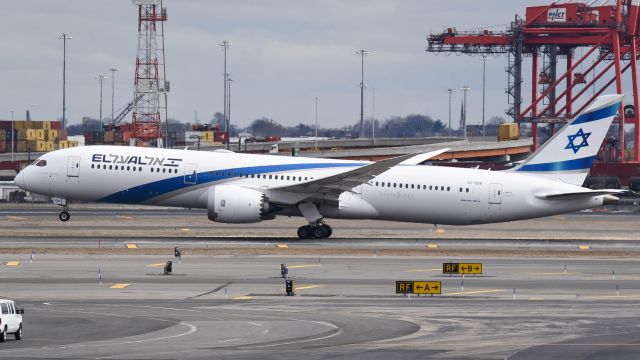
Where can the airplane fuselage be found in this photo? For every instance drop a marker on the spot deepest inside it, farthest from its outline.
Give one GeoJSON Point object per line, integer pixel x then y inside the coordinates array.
{"type": "Point", "coordinates": [411, 193]}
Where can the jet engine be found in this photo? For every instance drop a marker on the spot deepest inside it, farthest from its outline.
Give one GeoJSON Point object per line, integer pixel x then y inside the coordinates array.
{"type": "Point", "coordinates": [235, 204]}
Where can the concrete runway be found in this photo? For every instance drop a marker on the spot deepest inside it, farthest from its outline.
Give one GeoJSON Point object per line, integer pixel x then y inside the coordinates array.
{"type": "Point", "coordinates": [540, 296]}
{"type": "Point", "coordinates": [234, 306]}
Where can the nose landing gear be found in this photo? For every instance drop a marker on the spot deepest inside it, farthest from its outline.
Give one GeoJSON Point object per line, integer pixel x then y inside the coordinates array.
{"type": "Point", "coordinates": [64, 214]}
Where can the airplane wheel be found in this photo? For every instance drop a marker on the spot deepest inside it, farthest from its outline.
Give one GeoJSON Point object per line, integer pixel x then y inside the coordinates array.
{"type": "Point", "coordinates": [64, 216]}
{"type": "Point", "coordinates": [327, 230]}
{"type": "Point", "coordinates": [304, 232]}
{"type": "Point", "coordinates": [319, 232]}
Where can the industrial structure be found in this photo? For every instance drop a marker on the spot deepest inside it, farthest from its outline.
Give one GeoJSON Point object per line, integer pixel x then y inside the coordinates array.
{"type": "Point", "coordinates": [607, 34]}
{"type": "Point", "coordinates": [150, 86]}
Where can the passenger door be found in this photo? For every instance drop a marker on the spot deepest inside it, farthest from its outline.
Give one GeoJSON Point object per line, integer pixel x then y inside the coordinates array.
{"type": "Point", "coordinates": [495, 193]}
{"type": "Point", "coordinates": [190, 173]}
{"type": "Point", "coordinates": [73, 166]}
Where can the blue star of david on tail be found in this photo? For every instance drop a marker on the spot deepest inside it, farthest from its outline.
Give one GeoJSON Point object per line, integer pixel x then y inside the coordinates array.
{"type": "Point", "coordinates": [580, 134]}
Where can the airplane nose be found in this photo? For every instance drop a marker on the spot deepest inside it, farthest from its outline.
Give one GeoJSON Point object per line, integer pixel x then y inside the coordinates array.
{"type": "Point", "coordinates": [19, 180]}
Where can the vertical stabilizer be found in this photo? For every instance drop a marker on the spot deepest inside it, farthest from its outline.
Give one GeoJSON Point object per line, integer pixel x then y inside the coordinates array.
{"type": "Point", "coordinates": [568, 155]}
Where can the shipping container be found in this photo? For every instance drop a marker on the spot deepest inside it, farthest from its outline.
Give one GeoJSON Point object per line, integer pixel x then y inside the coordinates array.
{"type": "Point", "coordinates": [108, 136]}
{"type": "Point", "coordinates": [20, 124]}
{"type": "Point", "coordinates": [62, 134]}
{"type": "Point", "coordinates": [3, 134]}
{"type": "Point", "coordinates": [63, 144]}
{"type": "Point", "coordinates": [56, 125]}
{"type": "Point", "coordinates": [509, 131]}
{"type": "Point", "coordinates": [21, 146]}
{"type": "Point", "coordinates": [220, 136]}
{"type": "Point", "coordinates": [41, 134]}
{"type": "Point", "coordinates": [52, 135]}
{"type": "Point", "coordinates": [72, 143]}
{"type": "Point", "coordinates": [3, 146]}
{"type": "Point", "coordinates": [50, 145]}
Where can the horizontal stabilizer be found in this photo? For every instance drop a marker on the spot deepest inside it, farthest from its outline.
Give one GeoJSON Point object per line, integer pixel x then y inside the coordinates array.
{"type": "Point", "coordinates": [580, 195]}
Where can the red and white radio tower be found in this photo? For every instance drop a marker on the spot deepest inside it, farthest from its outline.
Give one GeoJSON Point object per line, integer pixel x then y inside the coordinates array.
{"type": "Point", "coordinates": [151, 87]}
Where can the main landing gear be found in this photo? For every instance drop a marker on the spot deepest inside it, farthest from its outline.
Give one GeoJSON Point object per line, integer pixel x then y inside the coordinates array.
{"type": "Point", "coordinates": [64, 214]}
{"type": "Point", "coordinates": [317, 230]}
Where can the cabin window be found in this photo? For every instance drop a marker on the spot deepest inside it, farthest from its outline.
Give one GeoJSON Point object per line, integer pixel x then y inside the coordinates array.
{"type": "Point", "coordinates": [394, 184]}
{"type": "Point", "coordinates": [448, 188]}
{"type": "Point", "coordinates": [92, 166]}
{"type": "Point", "coordinates": [269, 176]}
{"type": "Point", "coordinates": [424, 187]}
{"type": "Point", "coordinates": [163, 170]}
{"type": "Point", "coordinates": [287, 177]}
{"type": "Point", "coordinates": [110, 167]}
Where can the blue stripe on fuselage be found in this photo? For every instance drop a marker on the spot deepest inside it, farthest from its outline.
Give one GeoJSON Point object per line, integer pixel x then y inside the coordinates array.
{"type": "Point", "coordinates": [573, 164]}
{"type": "Point", "coordinates": [145, 192]}
{"type": "Point", "coordinates": [599, 114]}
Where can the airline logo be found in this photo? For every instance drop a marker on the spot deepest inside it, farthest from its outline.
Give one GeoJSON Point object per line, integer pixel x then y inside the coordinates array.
{"type": "Point", "coordinates": [582, 139]}
{"type": "Point", "coordinates": [136, 160]}
{"type": "Point", "coordinates": [557, 15]}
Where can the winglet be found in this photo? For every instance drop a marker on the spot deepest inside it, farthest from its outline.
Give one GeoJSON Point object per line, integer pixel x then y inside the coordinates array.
{"type": "Point", "coordinates": [419, 158]}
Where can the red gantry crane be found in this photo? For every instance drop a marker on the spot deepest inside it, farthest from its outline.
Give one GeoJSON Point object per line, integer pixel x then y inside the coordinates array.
{"type": "Point", "coordinates": [607, 34]}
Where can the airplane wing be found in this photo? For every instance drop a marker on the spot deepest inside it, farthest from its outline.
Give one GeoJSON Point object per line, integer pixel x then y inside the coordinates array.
{"type": "Point", "coordinates": [345, 181]}
{"type": "Point", "coordinates": [579, 195]}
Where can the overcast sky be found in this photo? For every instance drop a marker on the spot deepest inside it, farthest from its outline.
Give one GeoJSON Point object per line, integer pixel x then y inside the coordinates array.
{"type": "Point", "coordinates": [284, 54]}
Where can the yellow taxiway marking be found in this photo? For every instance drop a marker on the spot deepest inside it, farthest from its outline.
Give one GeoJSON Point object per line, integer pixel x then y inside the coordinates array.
{"type": "Point", "coordinates": [535, 299]}
{"type": "Point", "coordinates": [440, 231]}
{"type": "Point", "coordinates": [282, 246]}
{"type": "Point", "coordinates": [119, 286]}
{"type": "Point", "coordinates": [158, 264]}
{"type": "Point", "coordinates": [475, 292]}
{"type": "Point", "coordinates": [13, 263]}
{"type": "Point", "coordinates": [306, 287]}
{"type": "Point", "coordinates": [423, 270]}
{"type": "Point", "coordinates": [125, 217]}
{"type": "Point", "coordinates": [584, 247]}
{"type": "Point", "coordinates": [432, 246]}
{"type": "Point", "coordinates": [16, 218]}
{"type": "Point", "coordinates": [303, 266]}
{"type": "Point", "coordinates": [245, 297]}
{"type": "Point", "coordinates": [185, 229]}
{"type": "Point", "coordinates": [132, 246]}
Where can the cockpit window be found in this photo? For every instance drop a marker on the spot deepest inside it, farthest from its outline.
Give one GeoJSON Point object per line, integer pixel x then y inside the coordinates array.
{"type": "Point", "coordinates": [41, 163]}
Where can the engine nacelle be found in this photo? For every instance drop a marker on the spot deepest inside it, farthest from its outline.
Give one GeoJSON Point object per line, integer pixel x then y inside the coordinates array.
{"type": "Point", "coordinates": [235, 204]}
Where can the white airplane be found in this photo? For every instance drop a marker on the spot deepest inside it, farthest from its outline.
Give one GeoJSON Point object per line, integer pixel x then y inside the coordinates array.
{"type": "Point", "coordinates": [247, 188]}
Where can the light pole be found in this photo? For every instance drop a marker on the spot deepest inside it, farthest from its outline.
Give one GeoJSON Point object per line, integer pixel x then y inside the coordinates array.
{"type": "Point", "coordinates": [229, 81]}
{"type": "Point", "coordinates": [484, 70]}
{"type": "Point", "coordinates": [64, 37]}
{"type": "Point", "coordinates": [113, 91]}
{"type": "Point", "coordinates": [362, 54]}
{"type": "Point", "coordinates": [464, 118]}
{"type": "Point", "coordinates": [225, 46]}
{"type": "Point", "coordinates": [373, 115]}
{"type": "Point", "coordinates": [450, 92]}
{"type": "Point", "coordinates": [101, 79]}
{"type": "Point", "coordinates": [316, 123]}
{"type": "Point", "coordinates": [13, 136]}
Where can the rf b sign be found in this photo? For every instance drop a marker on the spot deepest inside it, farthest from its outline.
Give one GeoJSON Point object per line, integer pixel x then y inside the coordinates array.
{"type": "Point", "coordinates": [461, 268]}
